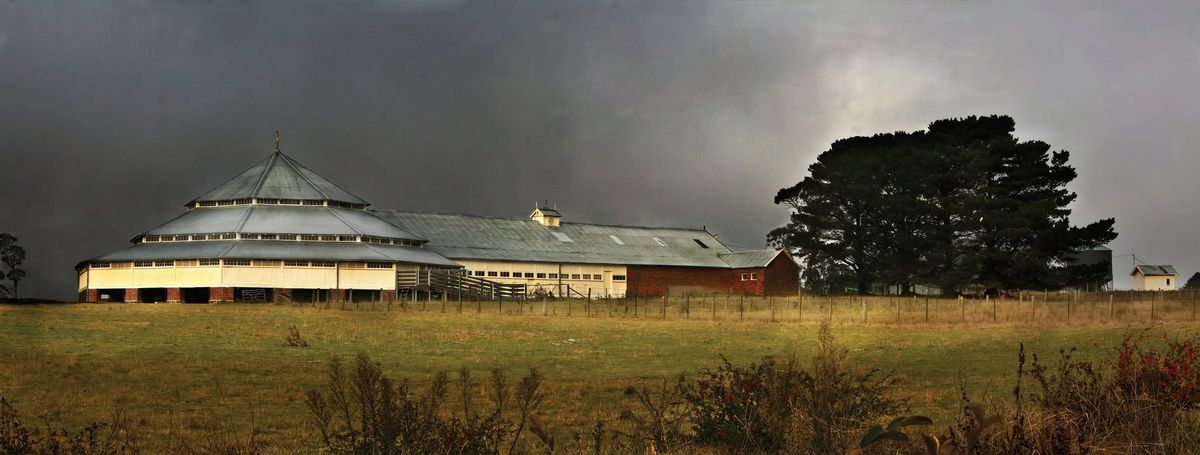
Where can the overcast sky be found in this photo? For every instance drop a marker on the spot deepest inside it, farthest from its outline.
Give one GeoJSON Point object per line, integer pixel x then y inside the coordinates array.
{"type": "Point", "coordinates": [115, 114]}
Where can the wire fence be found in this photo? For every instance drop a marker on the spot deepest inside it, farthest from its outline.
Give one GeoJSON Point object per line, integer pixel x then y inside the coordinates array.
{"type": "Point", "coordinates": [1024, 308]}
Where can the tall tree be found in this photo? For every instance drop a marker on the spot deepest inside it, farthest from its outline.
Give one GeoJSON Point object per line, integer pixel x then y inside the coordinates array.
{"type": "Point", "coordinates": [12, 256]}
{"type": "Point", "coordinates": [963, 203]}
{"type": "Point", "coordinates": [1193, 282]}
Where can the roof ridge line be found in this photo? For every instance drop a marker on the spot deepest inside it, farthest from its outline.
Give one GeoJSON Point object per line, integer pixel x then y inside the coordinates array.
{"type": "Point", "coordinates": [246, 217]}
{"type": "Point", "coordinates": [289, 162]}
{"type": "Point", "coordinates": [262, 178]}
{"type": "Point", "coordinates": [677, 228]}
{"type": "Point", "coordinates": [343, 220]}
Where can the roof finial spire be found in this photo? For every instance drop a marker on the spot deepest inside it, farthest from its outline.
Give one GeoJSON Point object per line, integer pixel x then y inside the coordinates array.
{"type": "Point", "coordinates": [276, 141]}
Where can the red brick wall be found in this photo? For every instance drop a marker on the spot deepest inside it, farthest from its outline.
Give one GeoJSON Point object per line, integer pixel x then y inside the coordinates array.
{"type": "Point", "coordinates": [91, 295]}
{"type": "Point", "coordinates": [131, 295]}
{"type": "Point", "coordinates": [174, 295]}
{"type": "Point", "coordinates": [220, 294]}
{"type": "Point", "coordinates": [657, 280]}
{"type": "Point", "coordinates": [782, 276]}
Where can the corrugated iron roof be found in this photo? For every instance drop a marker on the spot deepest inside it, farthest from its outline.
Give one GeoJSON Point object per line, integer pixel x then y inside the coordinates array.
{"type": "Point", "coordinates": [1153, 270]}
{"type": "Point", "coordinates": [279, 177]}
{"type": "Point", "coordinates": [281, 219]}
{"type": "Point", "coordinates": [267, 249]}
{"type": "Point", "coordinates": [524, 240]}
{"type": "Point", "coordinates": [745, 259]}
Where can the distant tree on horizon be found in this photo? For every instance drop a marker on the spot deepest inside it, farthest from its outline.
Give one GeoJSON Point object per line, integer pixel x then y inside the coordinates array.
{"type": "Point", "coordinates": [12, 257]}
{"type": "Point", "coordinates": [1193, 282]}
{"type": "Point", "coordinates": [962, 203]}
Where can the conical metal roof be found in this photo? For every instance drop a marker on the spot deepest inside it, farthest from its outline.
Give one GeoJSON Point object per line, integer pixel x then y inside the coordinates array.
{"type": "Point", "coordinates": [279, 177]}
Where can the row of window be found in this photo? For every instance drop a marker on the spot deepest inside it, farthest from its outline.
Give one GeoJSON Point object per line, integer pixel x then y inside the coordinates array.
{"type": "Point", "coordinates": [551, 276]}
{"type": "Point", "coordinates": [240, 262]}
{"type": "Point", "coordinates": [264, 201]}
{"type": "Point", "coordinates": [299, 237]}
{"type": "Point", "coordinates": [749, 277]}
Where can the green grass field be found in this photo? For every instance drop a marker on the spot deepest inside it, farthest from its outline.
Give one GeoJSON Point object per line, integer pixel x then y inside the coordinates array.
{"type": "Point", "coordinates": [183, 368]}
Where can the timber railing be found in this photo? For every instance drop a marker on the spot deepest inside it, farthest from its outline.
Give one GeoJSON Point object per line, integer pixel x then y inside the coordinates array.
{"type": "Point", "coordinates": [456, 282]}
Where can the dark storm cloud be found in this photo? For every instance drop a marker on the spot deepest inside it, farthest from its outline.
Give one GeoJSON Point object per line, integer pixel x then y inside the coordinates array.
{"type": "Point", "coordinates": [114, 114]}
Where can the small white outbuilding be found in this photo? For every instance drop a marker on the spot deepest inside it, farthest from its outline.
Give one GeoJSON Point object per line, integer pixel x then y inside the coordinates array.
{"type": "Point", "coordinates": [1154, 278]}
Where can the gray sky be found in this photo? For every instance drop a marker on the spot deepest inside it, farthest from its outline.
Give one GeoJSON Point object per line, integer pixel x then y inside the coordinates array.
{"type": "Point", "coordinates": [115, 114]}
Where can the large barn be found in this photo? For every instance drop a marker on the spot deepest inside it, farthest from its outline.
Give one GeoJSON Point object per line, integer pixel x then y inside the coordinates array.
{"type": "Point", "coordinates": [280, 232]}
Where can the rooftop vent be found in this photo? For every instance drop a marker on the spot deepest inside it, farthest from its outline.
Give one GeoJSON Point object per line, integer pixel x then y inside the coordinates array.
{"type": "Point", "coordinates": [545, 214]}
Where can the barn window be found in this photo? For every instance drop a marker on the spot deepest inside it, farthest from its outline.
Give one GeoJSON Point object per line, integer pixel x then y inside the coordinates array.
{"type": "Point", "coordinates": [753, 277]}
{"type": "Point", "coordinates": [379, 265]}
{"type": "Point", "coordinates": [553, 275]}
{"type": "Point", "coordinates": [504, 274]}
{"type": "Point", "coordinates": [164, 263]}
{"type": "Point", "coordinates": [229, 235]}
{"type": "Point", "coordinates": [250, 236]}
{"type": "Point", "coordinates": [266, 263]}
{"type": "Point", "coordinates": [150, 238]}
{"type": "Point", "coordinates": [541, 275]}
{"type": "Point", "coordinates": [100, 265]}
{"type": "Point", "coordinates": [698, 242]}
{"type": "Point", "coordinates": [323, 264]}
{"type": "Point", "coordinates": [295, 263]}
{"type": "Point", "coordinates": [269, 236]}
{"type": "Point", "coordinates": [313, 202]}
{"type": "Point", "coordinates": [289, 202]}
{"type": "Point", "coordinates": [180, 238]}
{"type": "Point", "coordinates": [329, 238]}
{"type": "Point", "coordinates": [287, 236]}
{"type": "Point", "coordinates": [491, 273]}
{"type": "Point", "coordinates": [618, 277]}
{"type": "Point", "coordinates": [143, 263]}
{"type": "Point", "coordinates": [242, 262]}
{"type": "Point", "coordinates": [530, 275]}
{"type": "Point", "coordinates": [346, 238]}
{"type": "Point", "coordinates": [209, 262]}
{"type": "Point", "coordinates": [659, 241]}
{"type": "Point", "coordinates": [616, 240]}
{"type": "Point", "coordinates": [479, 273]}
{"type": "Point", "coordinates": [745, 276]}
{"type": "Point", "coordinates": [310, 237]}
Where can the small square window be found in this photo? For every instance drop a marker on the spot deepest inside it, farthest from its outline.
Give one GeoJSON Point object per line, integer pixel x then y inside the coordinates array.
{"type": "Point", "coordinates": [553, 275]}
{"type": "Point", "coordinates": [541, 275]}
{"type": "Point", "coordinates": [479, 273]}
{"type": "Point", "coordinates": [504, 274]}
{"type": "Point", "coordinates": [745, 276]}
{"type": "Point", "coordinates": [618, 277]}
{"type": "Point", "coordinates": [491, 273]}
{"type": "Point", "coordinates": [753, 277]}
{"type": "Point", "coordinates": [528, 274]}
{"type": "Point", "coordinates": [574, 276]}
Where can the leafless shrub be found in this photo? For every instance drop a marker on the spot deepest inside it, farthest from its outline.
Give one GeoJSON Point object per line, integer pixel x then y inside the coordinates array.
{"type": "Point", "coordinates": [110, 438]}
{"type": "Point", "coordinates": [294, 340]}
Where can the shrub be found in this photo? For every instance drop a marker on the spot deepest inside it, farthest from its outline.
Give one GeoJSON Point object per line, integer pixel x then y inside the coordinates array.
{"type": "Point", "coordinates": [364, 412]}
{"type": "Point", "coordinates": [111, 438]}
{"type": "Point", "coordinates": [771, 407]}
{"type": "Point", "coordinates": [293, 339]}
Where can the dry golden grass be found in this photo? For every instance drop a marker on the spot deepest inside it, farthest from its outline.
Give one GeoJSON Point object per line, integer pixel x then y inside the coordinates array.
{"type": "Point", "coordinates": [183, 369]}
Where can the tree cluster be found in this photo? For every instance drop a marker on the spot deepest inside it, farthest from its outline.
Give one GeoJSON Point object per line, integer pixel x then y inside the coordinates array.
{"type": "Point", "coordinates": [12, 258]}
{"type": "Point", "coordinates": [961, 205]}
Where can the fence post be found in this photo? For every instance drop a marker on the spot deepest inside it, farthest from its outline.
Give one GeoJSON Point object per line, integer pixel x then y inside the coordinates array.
{"type": "Point", "coordinates": [863, 300]}
{"type": "Point", "coordinates": [962, 305]}
{"type": "Point", "coordinates": [926, 307]}
{"type": "Point", "coordinates": [1151, 306]}
{"type": "Point", "coordinates": [993, 310]}
{"type": "Point", "coordinates": [714, 307]}
{"type": "Point", "coordinates": [771, 303]}
{"type": "Point", "coordinates": [830, 309]}
{"type": "Point", "coordinates": [687, 305]}
{"type": "Point", "coordinates": [800, 310]}
{"type": "Point", "coordinates": [544, 309]}
{"type": "Point", "coordinates": [1110, 306]}
{"type": "Point", "coordinates": [664, 305]}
